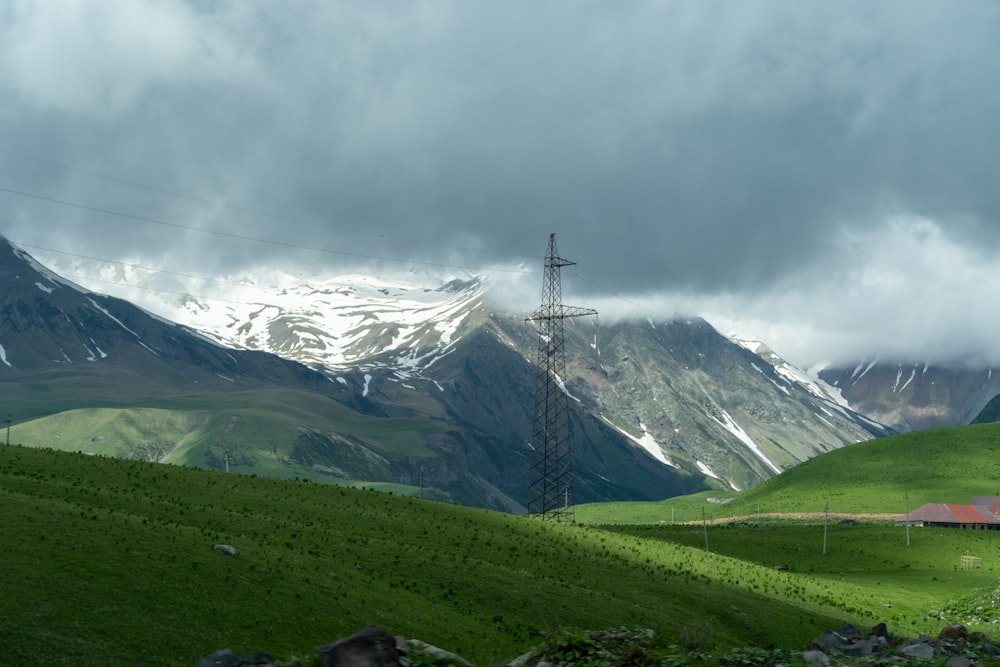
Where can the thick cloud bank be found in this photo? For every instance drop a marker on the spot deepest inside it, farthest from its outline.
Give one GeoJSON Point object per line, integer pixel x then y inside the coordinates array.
{"type": "Point", "coordinates": [820, 174]}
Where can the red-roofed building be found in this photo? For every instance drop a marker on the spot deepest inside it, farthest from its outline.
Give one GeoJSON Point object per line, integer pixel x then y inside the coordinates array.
{"type": "Point", "coordinates": [990, 502]}
{"type": "Point", "coordinates": [977, 515]}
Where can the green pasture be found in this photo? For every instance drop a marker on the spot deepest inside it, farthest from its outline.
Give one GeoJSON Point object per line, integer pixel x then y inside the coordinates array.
{"type": "Point", "coordinates": [256, 430]}
{"type": "Point", "coordinates": [111, 561]}
{"type": "Point", "coordinates": [911, 576]}
{"type": "Point", "coordinates": [670, 511]}
{"type": "Point", "coordinates": [941, 466]}
{"type": "Point", "coordinates": [885, 475]}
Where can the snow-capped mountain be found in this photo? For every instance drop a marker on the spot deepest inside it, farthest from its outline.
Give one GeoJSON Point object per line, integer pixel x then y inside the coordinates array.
{"type": "Point", "coordinates": [679, 392]}
{"type": "Point", "coordinates": [339, 323]}
{"type": "Point", "coordinates": [347, 322]}
{"type": "Point", "coordinates": [55, 331]}
{"type": "Point", "coordinates": [659, 408]}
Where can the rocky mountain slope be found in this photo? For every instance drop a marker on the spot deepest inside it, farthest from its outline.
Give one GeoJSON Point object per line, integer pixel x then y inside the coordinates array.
{"type": "Point", "coordinates": [63, 348]}
{"type": "Point", "coordinates": [915, 396]}
{"type": "Point", "coordinates": [658, 408]}
{"type": "Point", "coordinates": [683, 397]}
{"type": "Point", "coordinates": [52, 330]}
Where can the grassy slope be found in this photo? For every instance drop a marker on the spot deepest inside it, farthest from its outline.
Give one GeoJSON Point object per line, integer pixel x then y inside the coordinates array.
{"type": "Point", "coordinates": [109, 561]}
{"type": "Point", "coordinates": [918, 588]}
{"type": "Point", "coordinates": [946, 465]}
{"type": "Point", "coordinates": [922, 582]}
{"type": "Point", "coordinates": [257, 427]}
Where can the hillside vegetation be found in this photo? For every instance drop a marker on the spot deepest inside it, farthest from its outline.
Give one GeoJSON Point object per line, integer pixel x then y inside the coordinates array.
{"type": "Point", "coordinates": [884, 475]}
{"type": "Point", "coordinates": [258, 432]}
{"type": "Point", "coordinates": [916, 573]}
{"type": "Point", "coordinates": [111, 561]}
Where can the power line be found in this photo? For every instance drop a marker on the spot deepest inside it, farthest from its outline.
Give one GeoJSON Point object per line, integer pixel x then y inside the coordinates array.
{"type": "Point", "coordinates": [267, 214]}
{"type": "Point", "coordinates": [148, 268]}
{"type": "Point", "coordinates": [599, 286]}
{"type": "Point", "coordinates": [275, 216]}
{"type": "Point", "coordinates": [232, 207]}
{"type": "Point", "coordinates": [625, 299]}
{"type": "Point", "coordinates": [283, 244]}
{"type": "Point", "coordinates": [151, 289]}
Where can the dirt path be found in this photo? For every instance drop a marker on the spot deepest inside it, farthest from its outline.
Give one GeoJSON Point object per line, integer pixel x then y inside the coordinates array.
{"type": "Point", "coordinates": [805, 516]}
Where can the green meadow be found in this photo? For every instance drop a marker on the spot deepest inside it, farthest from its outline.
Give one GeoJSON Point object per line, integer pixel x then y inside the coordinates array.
{"type": "Point", "coordinates": [110, 561]}
{"type": "Point", "coordinates": [886, 475]}
{"type": "Point", "coordinates": [254, 430]}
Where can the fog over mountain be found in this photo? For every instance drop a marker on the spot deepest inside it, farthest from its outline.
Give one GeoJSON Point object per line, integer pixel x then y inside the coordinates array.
{"type": "Point", "coordinates": [819, 176]}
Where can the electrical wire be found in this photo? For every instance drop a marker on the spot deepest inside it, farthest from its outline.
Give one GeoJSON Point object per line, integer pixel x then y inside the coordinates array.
{"type": "Point", "coordinates": [233, 207]}
{"type": "Point", "coordinates": [148, 268]}
{"type": "Point", "coordinates": [89, 279]}
{"type": "Point", "coordinates": [283, 244]}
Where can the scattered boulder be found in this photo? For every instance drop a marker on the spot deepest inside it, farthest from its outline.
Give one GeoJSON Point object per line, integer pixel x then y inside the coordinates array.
{"type": "Point", "coordinates": [816, 658]}
{"type": "Point", "coordinates": [882, 631]}
{"type": "Point", "coordinates": [225, 550]}
{"type": "Point", "coordinates": [920, 651]}
{"type": "Point", "coordinates": [953, 633]}
{"type": "Point", "coordinates": [439, 654]}
{"type": "Point", "coordinates": [953, 643]}
{"type": "Point", "coordinates": [861, 648]}
{"type": "Point", "coordinates": [827, 641]}
{"type": "Point", "coordinates": [849, 631]}
{"type": "Point", "coordinates": [226, 658]}
{"type": "Point", "coordinates": [221, 658]}
{"type": "Point", "coordinates": [371, 647]}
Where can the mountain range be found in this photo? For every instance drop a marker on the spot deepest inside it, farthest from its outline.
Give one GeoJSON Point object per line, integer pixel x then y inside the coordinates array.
{"type": "Point", "coordinates": [422, 383]}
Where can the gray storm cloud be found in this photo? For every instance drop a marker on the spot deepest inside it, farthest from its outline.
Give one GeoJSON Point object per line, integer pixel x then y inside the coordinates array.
{"type": "Point", "coordinates": [808, 170]}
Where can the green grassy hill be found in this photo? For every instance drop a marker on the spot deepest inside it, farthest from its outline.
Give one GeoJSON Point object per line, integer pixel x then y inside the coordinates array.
{"type": "Point", "coordinates": [948, 465]}
{"type": "Point", "coordinates": [111, 561]}
{"type": "Point", "coordinates": [262, 432]}
{"type": "Point", "coordinates": [916, 573]}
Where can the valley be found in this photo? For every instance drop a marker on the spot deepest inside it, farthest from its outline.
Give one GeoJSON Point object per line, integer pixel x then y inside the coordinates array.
{"type": "Point", "coordinates": [132, 543]}
{"type": "Point", "coordinates": [659, 409]}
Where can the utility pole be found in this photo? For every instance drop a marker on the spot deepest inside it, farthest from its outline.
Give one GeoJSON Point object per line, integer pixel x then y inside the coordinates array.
{"type": "Point", "coordinates": [704, 527]}
{"type": "Point", "coordinates": [551, 474]}
{"type": "Point", "coordinates": [8, 428]}
{"type": "Point", "coordinates": [826, 520]}
{"type": "Point", "coordinates": [907, 519]}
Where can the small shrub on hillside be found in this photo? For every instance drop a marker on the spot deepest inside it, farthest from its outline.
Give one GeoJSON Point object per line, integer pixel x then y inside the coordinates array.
{"type": "Point", "coordinates": [753, 657]}
{"type": "Point", "coordinates": [609, 648]}
{"type": "Point", "coordinates": [416, 656]}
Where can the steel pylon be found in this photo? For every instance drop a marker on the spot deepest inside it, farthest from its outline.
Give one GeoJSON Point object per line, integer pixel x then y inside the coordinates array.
{"type": "Point", "coordinates": [550, 485]}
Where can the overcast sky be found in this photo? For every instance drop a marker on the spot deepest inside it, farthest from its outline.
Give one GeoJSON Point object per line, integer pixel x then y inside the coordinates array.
{"type": "Point", "coordinates": [822, 174]}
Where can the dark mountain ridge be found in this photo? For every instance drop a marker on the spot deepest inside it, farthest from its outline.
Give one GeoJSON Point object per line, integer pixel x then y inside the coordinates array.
{"type": "Point", "coordinates": [53, 332]}
{"type": "Point", "coordinates": [63, 347]}
{"type": "Point", "coordinates": [657, 409]}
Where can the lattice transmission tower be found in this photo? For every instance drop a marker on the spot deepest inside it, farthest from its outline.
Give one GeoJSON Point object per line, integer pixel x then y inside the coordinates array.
{"type": "Point", "coordinates": [550, 485]}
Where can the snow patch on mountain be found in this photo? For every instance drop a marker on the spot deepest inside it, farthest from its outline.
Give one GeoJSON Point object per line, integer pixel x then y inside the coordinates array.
{"type": "Point", "coordinates": [646, 441]}
{"type": "Point", "coordinates": [806, 379]}
{"type": "Point", "coordinates": [345, 322]}
{"type": "Point", "coordinates": [859, 373]}
{"type": "Point", "coordinates": [730, 425]}
{"type": "Point", "coordinates": [899, 374]}
{"type": "Point", "coordinates": [705, 470]}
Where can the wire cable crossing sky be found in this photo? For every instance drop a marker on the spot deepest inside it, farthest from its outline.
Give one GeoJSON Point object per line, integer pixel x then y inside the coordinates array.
{"type": "Point", "coordinates": [820, 176]}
